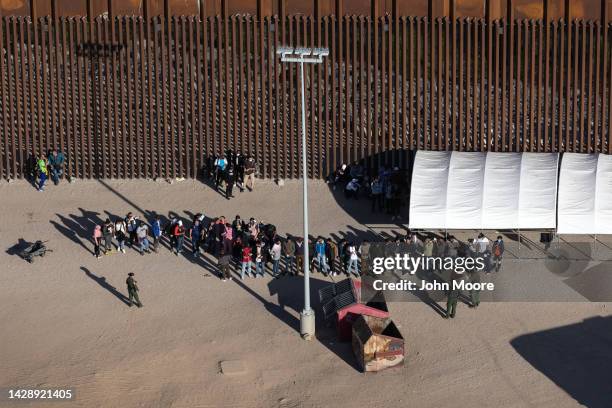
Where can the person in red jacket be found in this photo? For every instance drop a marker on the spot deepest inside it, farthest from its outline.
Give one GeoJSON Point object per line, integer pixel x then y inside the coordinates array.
{"type": "Point", "coordinates": [179, 236]}
{"type": "Point", "coordinates": [246, 262]}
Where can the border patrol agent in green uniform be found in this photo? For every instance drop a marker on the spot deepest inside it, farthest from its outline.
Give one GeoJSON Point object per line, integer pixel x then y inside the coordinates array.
{"type": "Point", "coordinates": [133, 290]}
{"type": "Point", "coordinates": [451, 302]}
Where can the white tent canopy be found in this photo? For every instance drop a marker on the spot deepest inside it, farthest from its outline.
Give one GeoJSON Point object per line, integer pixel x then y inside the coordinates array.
{"type": "Point", "coordinates": [585, 194]}
{"type": "Point", "coordinates": [474, 190]}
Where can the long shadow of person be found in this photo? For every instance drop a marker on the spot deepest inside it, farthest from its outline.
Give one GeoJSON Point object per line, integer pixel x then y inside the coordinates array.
{"type": "Point", "coordinates": [75, 235]}
{"type": "Point", "coordinates": [101, 280]}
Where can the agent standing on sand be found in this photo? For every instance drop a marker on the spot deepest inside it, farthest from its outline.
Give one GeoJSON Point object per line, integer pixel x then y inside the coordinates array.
{"type": "Point", "coordinates": [132, 290]}
{"type": "Point", "coordinates": [451, 302]}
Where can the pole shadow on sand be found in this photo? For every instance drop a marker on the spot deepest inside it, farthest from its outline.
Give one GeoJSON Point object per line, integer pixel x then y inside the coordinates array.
{"type": "Point", "coordinates": [290, 300]}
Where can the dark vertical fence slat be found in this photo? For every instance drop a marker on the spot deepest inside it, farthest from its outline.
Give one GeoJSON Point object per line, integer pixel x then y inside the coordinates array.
{"type": "Point", "coordinates": [183, 101]}
{"type": "Point", "coordinates": [468, 84]}
{"type": "Point", "coordinates": [389, 111]}
{"type": "Point", "coordinates": [351, 91]}
{"type": "Point", "coordinates": [235, 67]}
{"type": "Point", "coordinates": [249, 92]}
{"type": "Point", "coordinates": [536, 110]}
{"type": "Point", "coordinates": [3, 148]}
{"type": "Point", "coordinates": [73, 163]}
{"type": "Point", "coordinates": [405, 81]}
{"type": "Point", "coordinates": [205, 87]}
{"type": "Point", "coordinates": [120, 105]}
{"type": "Point", "coordinates": [57, 90]}
{"type": "Point", "coordinates": [518, 81]}
{"type": "Point", "coordinates": [597, 90]}
{"type": "Point", "coordinates": [608, 98]}
{"type": "Point", "coordinates": [67, 106]}
{"type": "Point", "coordinates": [25, 109]}
{"type": "Point", "coordinates": [37, 67]}
{"type": "Point", "coordinates": [202, 89]}
{"type": "Point", "coordinates": [555, 108]}
{"type": "Point", "coordinates": [256, 96]}
{"type": "Point", "coordinates": [603, 92]}
{"type": "Point", "coordinates": [589, 88]}
{"type": "Point", "coordinates": [484, 93]}
{"type": "Point", "coordinates": [151, 105]}
{"type": "Point", "coordinates": [12, 99]}
{"type": "Point", "coordinates": [270, 142]}
{"type": "Point", "coordinates": [567, 78]}
{"type": "Point", "coordinates": [575, 84]}
{"type": "Point", "coordinates": [18, 158]}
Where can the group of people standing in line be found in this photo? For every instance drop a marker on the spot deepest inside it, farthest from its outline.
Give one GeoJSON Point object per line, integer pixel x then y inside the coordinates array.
{"type": "Point", "coordinates": [251, 245]}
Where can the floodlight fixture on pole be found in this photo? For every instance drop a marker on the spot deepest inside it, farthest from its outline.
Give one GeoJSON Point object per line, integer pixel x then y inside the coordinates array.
{"type": "Point", "coordinates": [303, 55]}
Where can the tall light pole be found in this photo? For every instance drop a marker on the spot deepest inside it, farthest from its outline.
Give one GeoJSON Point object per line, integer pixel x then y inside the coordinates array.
{"type": "Point", "coordinates": [303, 56]}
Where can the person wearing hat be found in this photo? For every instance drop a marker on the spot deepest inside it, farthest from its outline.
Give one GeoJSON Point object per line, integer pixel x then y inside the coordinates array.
{"type": "Point", "coordinates": [451, 300]}
{"type": "Point", "coordinates": [179, 235]}
{"type": "Point", "coordinates": [132, 290]}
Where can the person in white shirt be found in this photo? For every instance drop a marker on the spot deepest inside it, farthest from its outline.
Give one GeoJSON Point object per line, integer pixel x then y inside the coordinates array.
{"type": "Point", "coordinates": [120, 234]}
{"type": "Point", "coordinates": [482, 244]}
{"type": "Point", "coordinates": [353, 265]}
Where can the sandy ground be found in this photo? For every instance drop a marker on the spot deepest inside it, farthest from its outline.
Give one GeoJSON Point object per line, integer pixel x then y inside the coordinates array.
{"type": "Point", "coordinates": [64, 323]}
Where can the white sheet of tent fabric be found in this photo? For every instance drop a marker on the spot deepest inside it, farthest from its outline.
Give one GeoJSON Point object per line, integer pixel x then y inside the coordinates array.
{"type": "Point", "coordinates": [500, 204]}
{"type": "Point", "coordinates": [577, 182]}
{"type": "Point", "coordinates": [603, 195]}
{"type": "Point", "coordinates": [538, 191]}
{"type": "Point", "coordinates": [472, 190]}
{"type": "Point", "coordinates": [464, 191]}
{"type": "Point", "coordinates": [428, 190]}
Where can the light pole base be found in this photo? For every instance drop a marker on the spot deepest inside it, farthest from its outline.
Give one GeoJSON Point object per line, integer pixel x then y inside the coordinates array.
{"type": "Point", "coordinates": [307, 324]}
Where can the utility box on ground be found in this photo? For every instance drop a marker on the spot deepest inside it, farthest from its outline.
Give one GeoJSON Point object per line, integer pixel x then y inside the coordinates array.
{"type": "Point", "coordinates": [377, 343]}
{"type": "Point", "coordinates": [343, 300]}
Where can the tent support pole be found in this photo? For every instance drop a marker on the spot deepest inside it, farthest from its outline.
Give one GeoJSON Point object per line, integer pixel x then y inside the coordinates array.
{"type": "Point", "coordinates": [519, 243]}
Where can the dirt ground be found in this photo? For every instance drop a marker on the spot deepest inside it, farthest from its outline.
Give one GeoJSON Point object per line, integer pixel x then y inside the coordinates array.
{"type": "Point", "coordinates": [65, 324]}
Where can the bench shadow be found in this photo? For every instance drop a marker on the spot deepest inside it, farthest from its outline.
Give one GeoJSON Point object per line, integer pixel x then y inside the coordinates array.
{"type": "Point", "coordinates": [18, 247]}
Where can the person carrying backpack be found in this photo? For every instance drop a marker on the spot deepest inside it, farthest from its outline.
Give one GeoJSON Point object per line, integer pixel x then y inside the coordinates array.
{"type": "Point", "coordinates": [331, 251]}
{"type": "Point", "coordinates": [229, 182]}
{"type": "Point", "coordinates": [321, 256]}
{"type": "Point", "coordinates": [179, 235]}
{"type": "Point", "coordinates": [108, 231]}
{"type": "Point", "coordinates": [289, 250]}
{"type": "Point", "coordinates": [498, 252]}
{"type": "Point", "coordinates": [120, 234]}
{"type": "Point", "coordinates": [220, 166]}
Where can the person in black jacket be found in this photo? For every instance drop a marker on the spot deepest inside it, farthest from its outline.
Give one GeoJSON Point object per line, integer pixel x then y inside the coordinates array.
{"type": "Point", "coordinates": [229, 182]}
{"type": "Point", "coordinates": [239, 170]}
